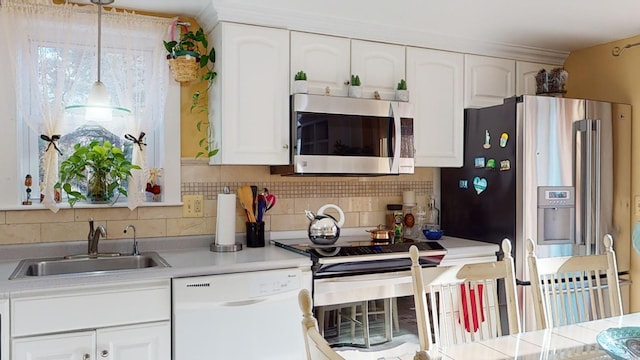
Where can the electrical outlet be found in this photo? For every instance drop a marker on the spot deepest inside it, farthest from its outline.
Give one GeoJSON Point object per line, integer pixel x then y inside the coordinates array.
{"type": "Point", "coordinates": [193, 206]}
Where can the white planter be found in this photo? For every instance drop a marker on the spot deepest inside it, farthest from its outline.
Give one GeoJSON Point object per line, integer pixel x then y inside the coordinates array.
{"type": "Point", "coordinates": [355, 91]}
{"type": "Point", "coordinates": [300, 87]}
{"type": "Point", "coordinates": [402, 95]}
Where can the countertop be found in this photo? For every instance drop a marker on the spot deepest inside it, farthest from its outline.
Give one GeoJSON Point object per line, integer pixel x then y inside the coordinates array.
{"type": "Point", "coordinates": [188, 256]}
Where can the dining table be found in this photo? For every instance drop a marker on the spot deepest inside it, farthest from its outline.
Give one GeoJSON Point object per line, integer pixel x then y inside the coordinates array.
{"type": "Point", "coordinates": [576, 341]}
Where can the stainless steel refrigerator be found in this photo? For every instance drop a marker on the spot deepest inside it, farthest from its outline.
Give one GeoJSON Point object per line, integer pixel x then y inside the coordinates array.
{"type": "Point", "coordinates": [535, 167]}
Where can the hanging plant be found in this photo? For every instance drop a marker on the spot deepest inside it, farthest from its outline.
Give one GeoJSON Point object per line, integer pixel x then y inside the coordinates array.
{"type": "Point", "coordinates": [190, 53]}
{"type": "Point", "coordinates": [193, 47]}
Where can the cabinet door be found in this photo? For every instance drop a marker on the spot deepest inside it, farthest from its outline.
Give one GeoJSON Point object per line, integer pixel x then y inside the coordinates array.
{"type": "Point", "coordinates": [69, 346]}
{"type": "Point", "coordinates": [325, 60]}
{"type": "Point", "coordinates": [488, 81]}
{"type": "Point", "coordinates": [251, 120]}
{"type": "Point", "coordinates": [435, 81]}
{"type": "Point", "coordinates": [140, 342]}
{"type": "Point", "coordinates": [380, 67]}
{"type": "Point", "coordinates": [526, 76]}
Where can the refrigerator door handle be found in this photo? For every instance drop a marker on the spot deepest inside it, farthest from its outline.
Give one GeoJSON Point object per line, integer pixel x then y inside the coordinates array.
{"type": "Point", "coordinates": [587, 167]}
{"type": "Point", "coordinates": [597, 183]}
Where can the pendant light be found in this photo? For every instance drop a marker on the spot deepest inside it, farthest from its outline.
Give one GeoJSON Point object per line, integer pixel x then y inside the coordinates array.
{"type": "Point", "coordinates": [98, 106]}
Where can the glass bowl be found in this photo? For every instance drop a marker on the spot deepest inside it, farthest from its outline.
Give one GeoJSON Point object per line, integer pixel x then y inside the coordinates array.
{"type": "Point", "coordinates": [621, 343]}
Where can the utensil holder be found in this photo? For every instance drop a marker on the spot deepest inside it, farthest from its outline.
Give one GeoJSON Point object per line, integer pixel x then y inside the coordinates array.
{"type": "Point", "coordinates": [255, 234]}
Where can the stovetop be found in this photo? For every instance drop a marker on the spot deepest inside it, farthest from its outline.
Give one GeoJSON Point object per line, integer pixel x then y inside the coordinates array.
{"type": "Point", "coordinates": [354, 257]}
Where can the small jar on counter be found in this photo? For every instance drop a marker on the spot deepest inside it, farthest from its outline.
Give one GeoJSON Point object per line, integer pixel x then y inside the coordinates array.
{"type": "Point", "coordinates": [395, 218]}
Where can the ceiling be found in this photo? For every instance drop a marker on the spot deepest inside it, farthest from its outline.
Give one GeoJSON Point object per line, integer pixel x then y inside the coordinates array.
{"type": "Point", "coordinates": [548, 25]}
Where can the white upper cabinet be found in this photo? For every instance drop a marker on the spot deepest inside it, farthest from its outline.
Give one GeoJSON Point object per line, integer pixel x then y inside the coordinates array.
{"type": "Point", "coordinates": [435, 82]}
{"type": "Point", "coordinates": [379, 66]}
{"type": "Point", "coordinates": [526, 76]}
{"type": "Point", "coordinates": [330, 61]}
{"type": "Point", "coordinates": [251, 95]}
{"type": "Point", "coordinates": [488, 80]}
{"type": "Point", "coordinates": [325, 59]}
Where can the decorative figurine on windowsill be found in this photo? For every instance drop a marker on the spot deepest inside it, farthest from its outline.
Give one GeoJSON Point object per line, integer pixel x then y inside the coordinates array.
{"type": "Point", "coordinates": [152, 184]}
{"type": "Point", "coordinates": [28, 181]}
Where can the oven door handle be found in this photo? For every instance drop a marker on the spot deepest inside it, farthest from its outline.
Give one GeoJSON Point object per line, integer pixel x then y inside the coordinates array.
{"type": "Point", "coordinates": [397, 138]}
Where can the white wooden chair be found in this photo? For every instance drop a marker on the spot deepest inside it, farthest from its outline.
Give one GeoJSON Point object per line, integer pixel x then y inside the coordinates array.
{"type": "Point", "coordinates": [317, 347]}
{"type": "Point", "coordinates": [445, 316]}
{"type": "Point", "coordinates": [570, 289]}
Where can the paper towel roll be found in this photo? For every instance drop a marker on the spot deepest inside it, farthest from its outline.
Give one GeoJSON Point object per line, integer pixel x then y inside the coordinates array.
{"type": "Point", "coordinates": [226, 220]}
{"type": "Point", "coordinates": [409, 197]}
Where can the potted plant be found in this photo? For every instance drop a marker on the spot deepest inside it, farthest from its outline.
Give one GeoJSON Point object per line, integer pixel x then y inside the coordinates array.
{"type": "Point", "coordinates": [402, 94]}
{"type": "Point", "coordinates": [300, 85]}
{"type": "Point", "coordinates": [355, 88]}
{"type": "Point", "coordinates": [195, 45]}
{"type": "Point", "coordinates": [190, 53]}
{"type": "Point", "coordinates": [104, 167]}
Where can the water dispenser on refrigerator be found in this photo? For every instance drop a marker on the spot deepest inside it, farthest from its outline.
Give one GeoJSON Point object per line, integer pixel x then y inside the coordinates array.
{"type": "Point", "coordinates": [556, 215]}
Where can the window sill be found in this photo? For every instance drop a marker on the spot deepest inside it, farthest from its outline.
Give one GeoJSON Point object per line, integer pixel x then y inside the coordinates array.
{"type": "Point", "coordinates": [64, 205]}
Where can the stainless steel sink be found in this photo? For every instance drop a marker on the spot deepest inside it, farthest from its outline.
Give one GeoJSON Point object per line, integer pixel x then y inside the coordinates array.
{"type": "Point", "coordinates": [86, 265]}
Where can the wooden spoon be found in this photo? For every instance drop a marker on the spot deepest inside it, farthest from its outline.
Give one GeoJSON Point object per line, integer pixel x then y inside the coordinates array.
{"type": "Point", "coordinates": [245, 195]}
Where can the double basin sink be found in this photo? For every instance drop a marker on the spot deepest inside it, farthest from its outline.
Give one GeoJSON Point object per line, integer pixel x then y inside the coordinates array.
{"type": "Point", "coordinates": [86, 265]}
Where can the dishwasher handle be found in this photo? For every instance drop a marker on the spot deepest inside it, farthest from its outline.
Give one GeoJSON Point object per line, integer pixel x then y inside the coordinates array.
{"type": "Point", "coordinates": [242, 302]}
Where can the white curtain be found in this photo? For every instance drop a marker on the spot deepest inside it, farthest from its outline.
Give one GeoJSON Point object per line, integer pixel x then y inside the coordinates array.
{"type": "Point", "coordinates": [67, 34]}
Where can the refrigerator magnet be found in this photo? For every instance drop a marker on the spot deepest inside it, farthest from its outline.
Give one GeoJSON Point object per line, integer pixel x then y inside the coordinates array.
{"type": "Point", "coordinates": [503, 139]}
{"type": "Point", "coordinates": [491, 164]}
{"type": "Point", "coordinates": [479, 184]}
{"type": "Point", "coordinates": [505, 165]}
{"type": "Point", "coordinates": [463, 184]}
{"type": "Point", "coordinates": [478, 162]}
{"type": "Point", "coordinates": [487, 140]}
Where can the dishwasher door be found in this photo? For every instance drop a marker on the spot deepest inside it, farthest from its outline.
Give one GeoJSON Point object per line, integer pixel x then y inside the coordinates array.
{"type": "Point", "coordinates": [253, 315]}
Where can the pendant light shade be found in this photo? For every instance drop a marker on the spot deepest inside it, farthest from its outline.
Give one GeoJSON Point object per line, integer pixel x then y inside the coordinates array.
{"type": "Point", "coordinates": [98, 106]}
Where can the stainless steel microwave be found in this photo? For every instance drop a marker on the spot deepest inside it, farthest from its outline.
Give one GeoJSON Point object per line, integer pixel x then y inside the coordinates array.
{"type": "Point", "coordinates": [349, 136]}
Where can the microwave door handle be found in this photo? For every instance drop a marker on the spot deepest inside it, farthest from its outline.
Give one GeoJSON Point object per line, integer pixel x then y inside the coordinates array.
{"type": "Point", "coordinates": [397, 139]}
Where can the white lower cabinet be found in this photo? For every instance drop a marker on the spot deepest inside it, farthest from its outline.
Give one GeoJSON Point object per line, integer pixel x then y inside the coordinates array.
{"type": "Point", "coordinates": [136, 342]}
{"type": "Point", "coordinates": [122, 321]}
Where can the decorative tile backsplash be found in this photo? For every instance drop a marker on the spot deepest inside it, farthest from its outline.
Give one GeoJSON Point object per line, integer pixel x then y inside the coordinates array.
{"type": "Point", "coordinates": [313, 189]}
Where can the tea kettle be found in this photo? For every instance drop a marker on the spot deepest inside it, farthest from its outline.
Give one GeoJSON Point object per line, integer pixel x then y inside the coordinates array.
{"type": "Point", "coordinates": [324, 229]}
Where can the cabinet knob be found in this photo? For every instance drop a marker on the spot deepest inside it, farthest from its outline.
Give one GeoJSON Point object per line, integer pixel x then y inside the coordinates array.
{"type": "Point", "coordinates": [86, 357]}
{"type": "Point", "coordinates": [104, 353]}
{"type": "Point", "coordinates": [285, 146]}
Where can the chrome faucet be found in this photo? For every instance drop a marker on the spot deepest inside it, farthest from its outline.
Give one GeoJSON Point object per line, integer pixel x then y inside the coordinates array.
{"type": "Point", "coordinates": [135, 251]}
{"type": "Point", "coordinates": [94, 236]}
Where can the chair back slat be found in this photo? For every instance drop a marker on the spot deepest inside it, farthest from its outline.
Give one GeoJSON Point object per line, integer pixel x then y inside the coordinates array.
{"type": "Point", "coordinates": [316, 346]}
{"type": "Point", "coordinates": [572, 289]}
{"type": "Point", "coordinates": [464, 302]}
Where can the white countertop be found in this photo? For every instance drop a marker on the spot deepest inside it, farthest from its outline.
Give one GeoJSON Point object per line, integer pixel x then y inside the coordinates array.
{"type": "Point", "coordinates": [192, 258]}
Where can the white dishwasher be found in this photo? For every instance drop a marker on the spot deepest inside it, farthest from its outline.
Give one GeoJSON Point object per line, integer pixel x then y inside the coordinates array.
{"type": "Point", "coordinates": [253, 315]}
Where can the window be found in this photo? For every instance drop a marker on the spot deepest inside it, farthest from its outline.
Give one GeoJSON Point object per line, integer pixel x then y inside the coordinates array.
{"type": "Point", "coordinates": [53, 69]}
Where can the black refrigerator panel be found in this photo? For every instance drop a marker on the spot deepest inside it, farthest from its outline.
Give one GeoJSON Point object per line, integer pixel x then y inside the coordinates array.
{"type": "Point", "coordinates": [478, 200]}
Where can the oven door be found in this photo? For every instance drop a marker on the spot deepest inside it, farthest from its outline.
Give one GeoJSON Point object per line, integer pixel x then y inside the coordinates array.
{"type": "Point", "coordinates": [348, 289]}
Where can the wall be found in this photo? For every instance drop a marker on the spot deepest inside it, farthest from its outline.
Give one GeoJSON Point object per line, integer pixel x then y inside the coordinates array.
{"type": "Point", "coordinates": [594, 73]}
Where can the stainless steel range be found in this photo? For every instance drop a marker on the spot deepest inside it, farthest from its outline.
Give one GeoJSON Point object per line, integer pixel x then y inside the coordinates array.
{"type": "Point", "coordinates": [356, 271]}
